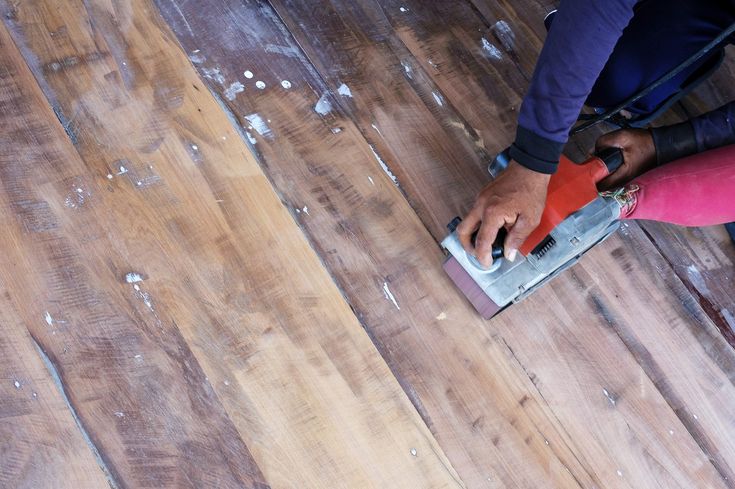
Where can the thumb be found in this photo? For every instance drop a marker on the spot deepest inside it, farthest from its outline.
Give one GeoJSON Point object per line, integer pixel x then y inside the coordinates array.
{"type": "Point", "coordinates": [517, 235]}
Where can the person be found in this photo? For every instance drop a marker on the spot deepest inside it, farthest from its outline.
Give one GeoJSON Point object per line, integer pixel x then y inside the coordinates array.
{"type": "Point", "coordinates": [600, 52]}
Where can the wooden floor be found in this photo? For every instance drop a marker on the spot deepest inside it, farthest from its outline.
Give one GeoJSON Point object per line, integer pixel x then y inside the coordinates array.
{"type": "Point", "coordinates": [220, 263]}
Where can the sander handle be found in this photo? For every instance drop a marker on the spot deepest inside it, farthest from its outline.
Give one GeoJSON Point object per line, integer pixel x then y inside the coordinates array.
{"type": "Point", "coordinates": [612, 157]}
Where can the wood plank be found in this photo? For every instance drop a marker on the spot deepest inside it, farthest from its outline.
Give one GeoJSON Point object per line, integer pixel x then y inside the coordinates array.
{"type": "Point", "coordinates": [492, 420]}
{"type": "Point", "coordinates": [244, 340]}
{"type": "Point", "coordinates": [40, 444]}
{"type": "Point", "coordinates": [425, 31]}
{"type": "Point", "coordinates": [368, 237]}
{"type": "Point", "coordinates": [138, 392]}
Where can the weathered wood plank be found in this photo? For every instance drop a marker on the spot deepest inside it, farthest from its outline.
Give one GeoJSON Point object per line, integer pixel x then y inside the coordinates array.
{"type": "Point", "coordinates": [462, 378]}
{"type": "Point", "coordinates": [137, 390]}
{"type": "Point", "coordinates": [231, 337]}
{"type": "Point", "coordinates": [378, 251]}
{"type": "Point", "coordinates": [40, 444]}
{"type": "Point", "coordinates": [426, 30]}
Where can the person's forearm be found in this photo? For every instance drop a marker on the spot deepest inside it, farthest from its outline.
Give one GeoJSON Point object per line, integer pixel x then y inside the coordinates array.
{"type": "Point", "coordinates": [576, 50]}
{"type": "Point", "coordinates": [708, 131]}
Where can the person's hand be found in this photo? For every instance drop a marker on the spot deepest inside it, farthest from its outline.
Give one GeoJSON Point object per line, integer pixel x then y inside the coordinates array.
{"type": "Point", "coordinates": [639, 155]}
{"type": "Point", "coordinates": [515, 200]}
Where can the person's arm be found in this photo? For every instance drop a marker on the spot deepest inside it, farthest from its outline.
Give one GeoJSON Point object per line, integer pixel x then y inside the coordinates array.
{"type": "Point", "coordinates": [581, 39]}
{"type": "Point", "coordinates": [708, 131]}
{"type": "Point", "coordinates": [645, 149]}
{"type": "Point", "coordinates": [576, 50]}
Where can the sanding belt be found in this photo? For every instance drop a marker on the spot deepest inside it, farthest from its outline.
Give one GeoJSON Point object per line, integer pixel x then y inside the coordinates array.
{"type": "Point", "coordinates": [698, 190]}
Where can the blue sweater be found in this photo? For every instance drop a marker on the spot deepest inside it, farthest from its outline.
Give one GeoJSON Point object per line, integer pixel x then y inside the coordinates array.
{"type": "Point", "coordinates": [583, 37]}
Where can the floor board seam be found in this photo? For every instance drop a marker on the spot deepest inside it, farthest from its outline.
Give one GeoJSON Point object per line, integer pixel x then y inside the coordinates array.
{"type": "Point", "coordinates": [59, 384]}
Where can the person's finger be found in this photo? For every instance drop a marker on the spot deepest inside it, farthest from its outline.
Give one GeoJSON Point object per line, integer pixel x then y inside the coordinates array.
{"type": "Point", "coordinates": [467, 228]}
{"type": "Point", "coordinates": [517, 235]}
{"type": "Point", "coordinates": [615, 139]}
{"type": "Point", "coordinates": [492, 221]}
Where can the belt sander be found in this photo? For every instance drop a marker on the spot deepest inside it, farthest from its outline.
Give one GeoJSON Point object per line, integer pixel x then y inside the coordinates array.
{"type": "Point", "coordinates": [575, 219]}
{"type": "Point", "coordinates": [693, 191]}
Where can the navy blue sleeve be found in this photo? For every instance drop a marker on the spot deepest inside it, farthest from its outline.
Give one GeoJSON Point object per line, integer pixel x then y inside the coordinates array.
{"type": "Point", "coordinates": [715, 129]}
{"type": "Point", "coordinates": [580, 42]}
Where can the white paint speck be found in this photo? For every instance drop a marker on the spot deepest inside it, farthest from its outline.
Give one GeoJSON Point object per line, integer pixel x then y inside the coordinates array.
{"type": "Point", "coordinates": [197, 58]}
{"type": "Point", "coordinates": [49, 319]}
{"type": "Point", "coordinates": [323, 106]}
{"type": "Point", "coordinates": [389, 295]}
{"type": "Point", "coordinates": [344, 90]}
{"type": "Point", "coordinates": [305, 210]}
{"type": "Point", "coordinates": [491, 50]}
{"type": "Point", "coordinates": [248, 74]}
{"type": "Point", "coordinates": [407, 69]}
{"type": "Point", "coordinates": [214, 74]}
{"type": "Point", "coordinates": [438, 99]}
{"type": "Point", "coordinates": [620, 473]}
{"type": "Point", "coordinates": [403, 9]}
{"type": "Point", "coordinates": [16, 384]}
{"type": "Point", "coordinates": [80, 190]}
{"type": "Point", "coordinates": [233, 90]}
{"type": "Point", "coordinates": [609, 397]}
{"type": "Point", "coordinates": [260, 125]}
{"type": "Point", "coordinates": [251, 138]}
{"type": "Point", "coordinates": [442, 316]}
{"type": "Point", "coordinates": [414, 452]}
{"type": "Point", "coordinates": [195, 147]}
{"type": "Point", "coordinates": [286, 84]}
{"type": "Point", "coordinates": [119, 414]}
{"type": "Point", "coordinates": [376, 128]}
{"type": "Point", "coordinates": [227, 382]}
{"type": "Point", "coordinates": [729, 318]}
{"type": "Point", "coordinates": [695, 416]}
{"type": "Point", "coordinates": [260, 84]}
{"type": "Point", "coordinates": [696, 278]}
{"type": "Point", "coordinates": [336, 130]}
{"type": "Point", "coordinates": [505, 34]}
{"type": "Point", "coordinates": [123, 170]}
{"type": "Point", "coordinates": [136, 287]}
{"type": "Point", "coordinates": [34, 394]}
{"type": "Point", "coordinates": [110, 176]}
{"type": "Point", "coordinates": [671, 432]}
{"type": "Point", "coordinates": [371, 180]}
{"type": "Point", "coordinates": [138, 356]}
{"type": "Point", "coordinates": [546, 441]}
{"type": "Point", "coordinates": [133, 277]}
{"type": "Point", "coordinates": [385, 167]}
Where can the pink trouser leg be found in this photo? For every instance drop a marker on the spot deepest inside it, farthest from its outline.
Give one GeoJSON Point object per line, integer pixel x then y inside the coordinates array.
{"type": "Point", "coordinates": [694, 191]}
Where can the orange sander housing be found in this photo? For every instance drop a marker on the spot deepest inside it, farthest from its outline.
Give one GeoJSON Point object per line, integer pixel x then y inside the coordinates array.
{"type": "Point", "coordinates": [575, 219]}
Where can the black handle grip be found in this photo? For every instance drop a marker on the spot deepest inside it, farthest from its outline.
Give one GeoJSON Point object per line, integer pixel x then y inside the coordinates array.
{"type": "Point", "coordinates": [612, 157]}
{"type": "Point", "coordinates": [497, 245]}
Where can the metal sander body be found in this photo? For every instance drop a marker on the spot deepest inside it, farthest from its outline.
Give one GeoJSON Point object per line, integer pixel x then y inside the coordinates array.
{"type": "Point", "coordinates": [576, 218]}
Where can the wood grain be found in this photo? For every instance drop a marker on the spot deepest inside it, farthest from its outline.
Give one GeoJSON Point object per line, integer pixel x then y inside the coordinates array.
{"type": "Point", "coordinates": [425, 33]}
{"type": "Point", "coordinates": [321, 162]}
{"type": "Point", "coordinates": [462, 379]}
{"type": "Point", "coordinates": [137, 390]}
{"type": "Point", "coordinates": [232, 339]}
{"type": "Point", "coordinates": [40, 443]}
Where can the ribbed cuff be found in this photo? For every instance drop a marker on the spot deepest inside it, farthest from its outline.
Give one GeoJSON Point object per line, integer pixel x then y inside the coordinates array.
{"type": "Point", "coordinates": [674, 142]}
{"type": "Point", "coordinates": [535, 152]}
